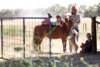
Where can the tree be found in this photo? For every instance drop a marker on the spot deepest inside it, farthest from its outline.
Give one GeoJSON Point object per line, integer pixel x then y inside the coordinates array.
{"type": "Point", "coordinates": [82, 9]}
{"type": "Point", "coordinates": [6, 13]}
{"type": "Point", "coordinates": [98, 9]}
{"type": "Point", "coordinates": [91, 11]}
{"type": "Point", "coordinates": [69, 7]}
{"type": "Point", "coordinates": [17, 12]}
{"type": "Point", "coordinates": [56, 9]}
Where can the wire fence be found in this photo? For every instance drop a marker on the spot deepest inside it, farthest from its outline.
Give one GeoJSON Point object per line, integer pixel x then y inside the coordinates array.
{"type": "Point", "coordinates": [16, 34]}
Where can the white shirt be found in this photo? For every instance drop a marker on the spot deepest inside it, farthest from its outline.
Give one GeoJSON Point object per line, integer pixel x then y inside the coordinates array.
{"type": "Point", "coordinates": [75, 19]}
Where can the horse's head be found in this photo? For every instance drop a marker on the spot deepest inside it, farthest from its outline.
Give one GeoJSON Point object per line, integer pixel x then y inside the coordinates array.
{"type": "Point", "coordinates": [68, 20]}
{"type": "Point", "coordinates": [68, 23]}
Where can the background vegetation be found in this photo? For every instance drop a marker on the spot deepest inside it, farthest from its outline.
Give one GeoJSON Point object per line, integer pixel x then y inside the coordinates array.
{"type": "Point", "coordinates": [54, 10]}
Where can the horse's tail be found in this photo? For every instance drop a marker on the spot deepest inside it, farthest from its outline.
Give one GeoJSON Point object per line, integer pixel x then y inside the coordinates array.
{"type": "Point", "coordinates": [34, 44]}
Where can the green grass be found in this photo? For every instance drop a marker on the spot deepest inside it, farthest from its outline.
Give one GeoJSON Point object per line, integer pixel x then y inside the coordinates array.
{"type": "Point", "coordinates": [12, 31]}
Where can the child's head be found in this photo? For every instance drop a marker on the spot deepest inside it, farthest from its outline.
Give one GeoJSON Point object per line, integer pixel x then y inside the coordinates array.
{"type": "Point", "coordinates": [58, 17]}
{"type": "Point", "coordinates": [74, 9]}
{"type": "Point", "coordinates": [88, 35]}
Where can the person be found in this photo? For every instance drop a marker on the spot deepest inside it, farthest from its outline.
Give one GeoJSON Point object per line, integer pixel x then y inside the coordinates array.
{"type": "Point", "coordinates": [87, 47]}
{"type": "Point", "coordinates": [76, 21]}
{"type": "Point", "coordinates": [45, 21]}
{"type": "Point", "coordinates": [59, 21]}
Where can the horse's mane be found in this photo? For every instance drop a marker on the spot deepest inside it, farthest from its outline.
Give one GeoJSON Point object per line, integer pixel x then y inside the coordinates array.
{"type": "Point", "coordinates": [64, 26]}
{"type": "Point", "coordinates": [67, 24]}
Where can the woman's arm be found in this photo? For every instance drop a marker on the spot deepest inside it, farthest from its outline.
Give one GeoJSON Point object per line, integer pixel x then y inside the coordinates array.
{"type": "Point", "coordinates": [78, 19]}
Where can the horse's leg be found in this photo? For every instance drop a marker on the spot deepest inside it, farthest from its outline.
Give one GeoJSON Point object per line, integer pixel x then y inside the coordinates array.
{"type": "Point", "coordinates": [64, 44]}
{"type": "Point", "coordinates": [73, 43]}
{"type": "Point", "coordinates": [35, 43]}
{"type": "Point", "coordinates": [39, 48]}
{"type": "Point", "coordinates": [35, 46]}
{"type": "Point", "coordinates": [37, 39]}
{"type": "Point", "coordinates": [39, 43]}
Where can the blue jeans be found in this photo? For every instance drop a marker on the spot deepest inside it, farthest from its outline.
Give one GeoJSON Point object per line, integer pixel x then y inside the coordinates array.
{"type": "Point", "coordinates": [77, 37]}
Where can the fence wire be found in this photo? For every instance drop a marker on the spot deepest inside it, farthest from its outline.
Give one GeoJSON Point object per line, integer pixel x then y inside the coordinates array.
{"type": "Point", "coordinates": [16, 34]}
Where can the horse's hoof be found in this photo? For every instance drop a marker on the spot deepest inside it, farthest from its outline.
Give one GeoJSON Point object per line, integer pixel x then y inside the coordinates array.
{"type": "Point", "coordinates": [64, 51]}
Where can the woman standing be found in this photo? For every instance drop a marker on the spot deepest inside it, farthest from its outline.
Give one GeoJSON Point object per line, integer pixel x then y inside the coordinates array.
{"type": "Point", "coordinates": [76, 21]}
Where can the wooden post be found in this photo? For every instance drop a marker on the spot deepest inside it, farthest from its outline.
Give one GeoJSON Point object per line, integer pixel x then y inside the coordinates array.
{"type": "Point", "coordinates": [94, 39]}
{"type": "Point", "coordinates": [1, 38]}
{"type": "Point", "coordinates": [23, 37]}
{"type": "Point", "coordinates": [50, 53]}
{"type": "Point", "coordinates": [49, 17]}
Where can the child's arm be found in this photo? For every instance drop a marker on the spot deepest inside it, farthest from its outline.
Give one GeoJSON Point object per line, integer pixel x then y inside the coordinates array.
{"type": "Point", "coordinates": [82, 46]}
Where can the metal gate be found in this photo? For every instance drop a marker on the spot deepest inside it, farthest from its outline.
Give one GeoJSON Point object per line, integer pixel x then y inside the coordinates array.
{"type": "Point", "coordinates": [16, 35]}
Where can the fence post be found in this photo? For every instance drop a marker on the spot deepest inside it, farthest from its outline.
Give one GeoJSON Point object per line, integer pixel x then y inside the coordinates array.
{"type": "Point", "coordinates": [24, 37]}
{"type": "Point", "coordinates": [49, 17]}
{"type": "Point", "coordinates": [50, 38]}
{"type": "Point", "coordinates": [94, 39]}
{"type": "Point", "coordinates": [85, 27]}
{"type": "Point", "coordinates": [1, 38]}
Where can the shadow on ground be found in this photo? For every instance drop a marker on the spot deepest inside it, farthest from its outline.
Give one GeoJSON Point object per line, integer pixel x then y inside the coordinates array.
{"type": "Point", "coordinates": [76, 60]}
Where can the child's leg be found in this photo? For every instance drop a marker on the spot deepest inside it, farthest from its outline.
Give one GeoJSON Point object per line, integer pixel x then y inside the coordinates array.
{"type": "Point", "coordinates": [73, 43]}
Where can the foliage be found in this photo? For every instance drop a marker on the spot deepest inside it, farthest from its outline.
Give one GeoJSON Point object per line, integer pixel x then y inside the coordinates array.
{"type": "Point", "coordinates": [17, 12]}
{"type": "Point", "coordinates": [10, 13]}
{"type": "Point", "coordinates": [6, 13]}
{"type": "Point", "coordinates": [91, 11]}
{"type": "Point", "coordinates": [56, 9]}
{"type": "Point", "coordinates": [98, 9]}
{"type": "Point", "coordinates": [82, 8]}
{"type": "Point", "coordinates": [46, 62]}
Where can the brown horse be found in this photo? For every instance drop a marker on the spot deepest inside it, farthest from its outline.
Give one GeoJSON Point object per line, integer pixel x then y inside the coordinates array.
{"type": "Point", "coordinates": [42, 31]}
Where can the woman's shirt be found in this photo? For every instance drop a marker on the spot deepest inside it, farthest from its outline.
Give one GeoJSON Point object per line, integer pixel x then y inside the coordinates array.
{"type": "Point", "coordinates": [76, 20]}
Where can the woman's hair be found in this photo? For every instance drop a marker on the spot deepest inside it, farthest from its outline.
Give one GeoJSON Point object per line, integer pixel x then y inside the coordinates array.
{"type": "Point", "coordinates": [73, 8]}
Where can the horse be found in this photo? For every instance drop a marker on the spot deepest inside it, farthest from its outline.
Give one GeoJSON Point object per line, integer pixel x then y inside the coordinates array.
{"type": "Point", "coordinates": [41, 31]}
